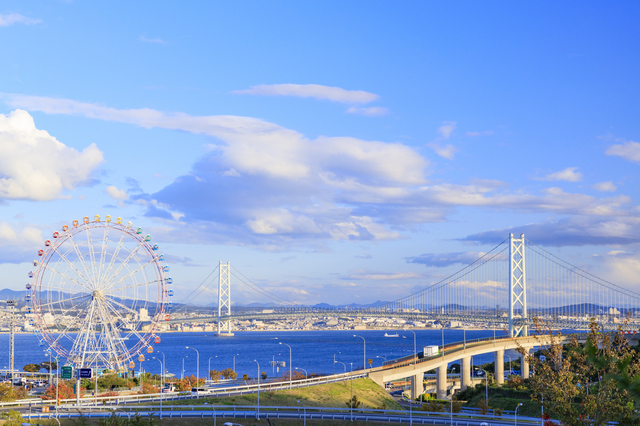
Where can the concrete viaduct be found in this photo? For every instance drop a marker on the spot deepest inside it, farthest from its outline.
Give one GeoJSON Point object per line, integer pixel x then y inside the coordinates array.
{"type": "Point", "coordinates": [414, 367]}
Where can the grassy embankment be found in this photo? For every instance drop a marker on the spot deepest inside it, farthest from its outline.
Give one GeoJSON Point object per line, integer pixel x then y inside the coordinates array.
{"type": "Point", "coordinates": [330, 395]}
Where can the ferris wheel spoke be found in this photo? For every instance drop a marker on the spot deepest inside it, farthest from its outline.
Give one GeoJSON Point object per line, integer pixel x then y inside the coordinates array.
{"type": "Point", "coordinates": [63, 301]}
{"type": "Point", "coordinates": [80, 257]}
{"type": "Point", "coordinates": [115, 290]}
{"type": "Point", "coordinates": [92, 253]}
{"type": "Point", "coordinates": [123, 306]}
{"type": "Point", "coordinates": [114, 256]}
{"type": "Point", "coordinates": [103, 252]}
{"type": "Point", "coordinates": [126, 260]}
{"type": "Point", "coordinates": [78, 319]}
{"type": "Point", "coordinates": [110, 335]}
{"type": "Point", "coordinates": [130, 274]}
{"type": "Point", "coordinates": [63, 257]}
{"type": "Point", "coordinates": [85, 334]}
{"type": "Point", "coordinates": [124, 320]}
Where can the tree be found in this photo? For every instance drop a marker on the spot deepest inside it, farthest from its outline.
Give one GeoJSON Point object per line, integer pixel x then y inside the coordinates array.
{"type": "Point", "coordinates": [354, 402]}
{"type": "Point", "coordinates": [228, 373]}
{"type": "Point", "coordinates": [32, 368]}
{"type": "Point", "coordinates": [215, 375]}
{"type": "Point", "coordinates": [11, 418]}
{"type": "Point", "coordinates": [9, 393]}
{"type": "Point", "coordinates": [64, 392]}
{"type": "Point", "coordinates": [578, 382]}
{"type": "Point", "coordinates": [49, 366]}
{"type": "Point", "coordinates": [189, 382]}
{"type": "Point", "coordinates": [148, 388]}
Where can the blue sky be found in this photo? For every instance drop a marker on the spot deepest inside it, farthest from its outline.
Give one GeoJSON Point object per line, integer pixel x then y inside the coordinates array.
{"type": "Point", "coordinates": [333, 152]}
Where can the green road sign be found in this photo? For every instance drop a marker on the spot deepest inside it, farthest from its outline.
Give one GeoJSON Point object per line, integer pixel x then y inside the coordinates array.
{"type": "Point", "coordinates": [66, 372]}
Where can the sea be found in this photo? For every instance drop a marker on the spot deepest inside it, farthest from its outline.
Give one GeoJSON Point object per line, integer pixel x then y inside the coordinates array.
{"type": "Point", "coordinates": [311, 351]}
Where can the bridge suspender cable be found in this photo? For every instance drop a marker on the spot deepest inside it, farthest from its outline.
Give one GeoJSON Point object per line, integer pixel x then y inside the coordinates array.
{"type": "Point", "coordinates": [189, 299]}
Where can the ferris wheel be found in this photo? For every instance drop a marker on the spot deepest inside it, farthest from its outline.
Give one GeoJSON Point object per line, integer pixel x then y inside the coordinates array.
{"type": "Point", "coordinates": [99, 292]}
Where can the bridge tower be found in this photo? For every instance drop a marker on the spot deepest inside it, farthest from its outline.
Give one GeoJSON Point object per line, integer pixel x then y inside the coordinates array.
{"type": "Point", "coordinates": [517, 287]}
{"type": "Point", "coordinates": [224, 299]}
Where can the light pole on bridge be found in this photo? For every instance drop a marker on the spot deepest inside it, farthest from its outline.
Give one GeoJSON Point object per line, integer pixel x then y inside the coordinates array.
{"type": "Point", "coordinates": [306, 376]}
{"type": "Point", "coordinates": [209, 373]}
{"type": "Point", "coordinates": [414, 346]}
{"type": "Point", "coordinates": [290, 371]}
{"type": "Point", "coordinates": [197, 366]}
{"type": "Point", "coordinates": [364, 356]}
{"type": "Point", "coordinates": [234, 362]}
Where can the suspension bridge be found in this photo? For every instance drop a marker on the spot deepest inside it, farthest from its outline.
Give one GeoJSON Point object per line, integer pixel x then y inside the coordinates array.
{"type": "Point", "coordinates": [506, 287]}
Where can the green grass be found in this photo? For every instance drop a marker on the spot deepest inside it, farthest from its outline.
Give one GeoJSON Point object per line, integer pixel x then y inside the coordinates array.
{"type": "Point", "coordinates": [328, 395]}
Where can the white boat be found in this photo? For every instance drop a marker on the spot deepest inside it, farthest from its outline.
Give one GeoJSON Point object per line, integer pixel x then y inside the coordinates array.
{"type": "Point", "coordinates": [391, 335]}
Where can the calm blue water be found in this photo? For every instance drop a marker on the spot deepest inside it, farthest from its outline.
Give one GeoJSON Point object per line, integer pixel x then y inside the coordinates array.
{"type": "Point", "coordinates": [311, 350]}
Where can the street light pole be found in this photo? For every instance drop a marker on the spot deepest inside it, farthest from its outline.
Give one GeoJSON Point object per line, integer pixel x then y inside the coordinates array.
{"type": "Point", "coordinates": [486, 384]}
{"type": "Point", "coordinates": [351, 401]}
{"type": "Point", "coordinates": [452, 385]}
{"type": "Point", "coordinates": [509, 364]}
{"type": "Point", "coordinates": [290, 371]}
{"type": "Point", "coordinates": [304, 412]}
{"type": "Point", "coordinates": [182, 375]}
{"type": "Point", "coordinates": [334, 362]}
{"type": "Point", "coordinates": [383, 357]}
{"type": "Point", "coordinates": [161, 375]}
{"type": "Point", "coordinates": [197, 366]}
{"type": "Point", "coordinates": [516, 415]}
{"type": "Point", "coordinates": [258, 386]}
{"type": "Point", "coordinates": [364, 356]}
{"type": "Point", "coordinates": [164, 365]}
{"type": "Point", "coordinates": [306, 376]}
{"type": "Point", "coordinates": [414, 346]}
{"type": "Point", "coordinates": [209, 373]}
{"type": "Point", "coordinates": [234, 362]}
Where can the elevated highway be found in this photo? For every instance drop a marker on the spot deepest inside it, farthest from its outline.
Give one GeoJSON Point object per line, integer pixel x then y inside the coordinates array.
{"type": "Point", "coordinates": [415, 368]}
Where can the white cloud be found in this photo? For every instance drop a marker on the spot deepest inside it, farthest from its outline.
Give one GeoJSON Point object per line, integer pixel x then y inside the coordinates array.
{"type": "Point", "coordinates": [368, 111]}
{"type": "Point", "coordinates": [258, 147]}
{"type": "Point", "coordinates": [443, 150]}
{"type": "Point", "coordinates": [476, 134]}
{"type": "Point", "coordinates": [569, 175]}
{"type": "Point", "coordinates": [383, 276]}
{"type": "Point", "coordinates": [16, 18]}
{"type": "Point", "coordinates": [292, 187]}
{"type": "Point", "coordinates": [605, 186]}
{"type": "Point", "coordinates": [19, 243]}
{"type": "Point", "coordinates": [446, 129]}
{"type": "Point", "coordinates": [151, 40]}
{"type": "Point", "coordinates": [629, 150]}
{"type": "Point", "coordinates": [35, 166]}
{"type": "Point", "coordinates": [335, 94]}
{"type": "Point", "coordinates": [117, 194]}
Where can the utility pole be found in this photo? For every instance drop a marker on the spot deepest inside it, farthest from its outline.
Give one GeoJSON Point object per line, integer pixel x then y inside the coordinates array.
{"type": "Point", "coordinates": [12, 345]}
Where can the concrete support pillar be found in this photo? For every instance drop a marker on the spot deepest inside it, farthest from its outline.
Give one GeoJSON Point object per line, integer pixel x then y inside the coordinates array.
{"type": "Point", "coordinates": [441, 382]}
{"type": "Point", "coordinates": [417, 385]}
{"type": "Point", "coordinates": [498, 366]}
{"type": "Point", "coordinates": [524, 366]}
{"type": "Point", "coordinates": [466, 373]}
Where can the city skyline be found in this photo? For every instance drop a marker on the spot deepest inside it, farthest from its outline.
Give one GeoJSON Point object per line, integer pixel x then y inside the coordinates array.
{"type": "Point", "coordinates": [338, 153]}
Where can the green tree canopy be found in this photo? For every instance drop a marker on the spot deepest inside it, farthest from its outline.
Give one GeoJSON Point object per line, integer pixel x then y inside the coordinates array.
{"type": "Point", "coordinates": [579, 382]}
{"type": "Point", "coordinates": [32, 368]}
